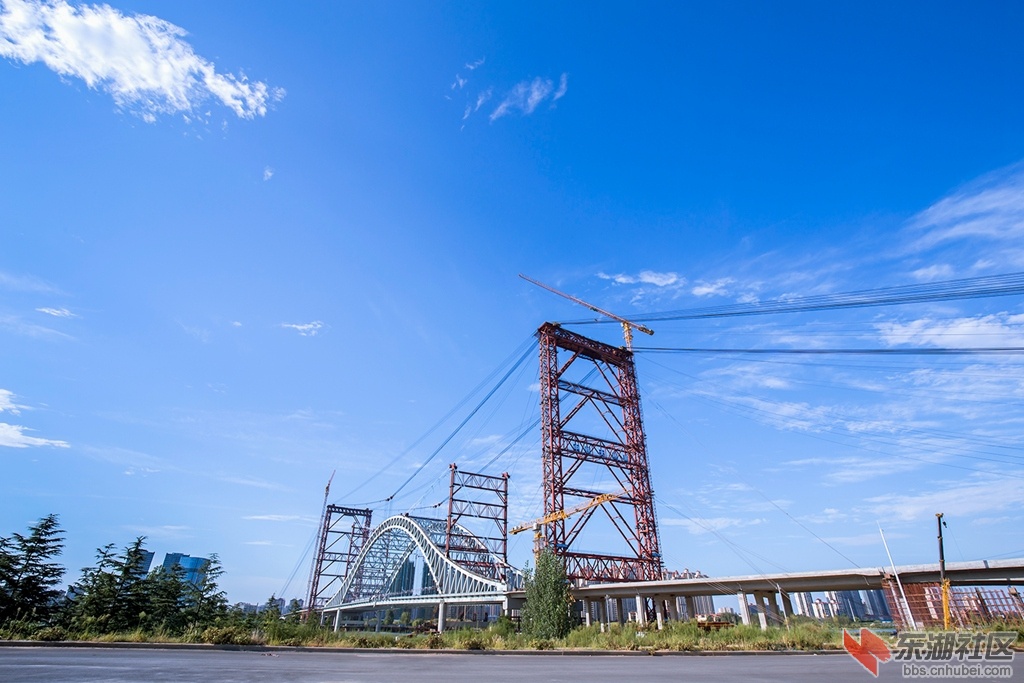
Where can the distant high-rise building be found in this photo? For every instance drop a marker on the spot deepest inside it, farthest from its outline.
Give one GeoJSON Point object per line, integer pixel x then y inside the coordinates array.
{"type": "Point", "coordinates": [147, 562]}
{"type": "Point", "coordinates": [702, 604]}
{"type": "Point", "coordinates": [822, 609]}
{"type": "Point", "coordinates": [847, 604]}
{"type": "Point", "coordinates": [195, 567]}
{"type": "Point", "coordinates": [803, 604]}
{"type": "Point", "coordinates": [878, 608]}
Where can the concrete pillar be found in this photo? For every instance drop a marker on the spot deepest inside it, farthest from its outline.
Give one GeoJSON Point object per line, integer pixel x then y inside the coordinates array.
{"type": "Point", "coordinates": [673, 608]}
{"type": "Point", "coordinates": [787, 605]}
{"type": "Point", "coordinates": [586, 612]}
{"type": "Point", "coordinates": [602, 613]}
{"type": "Point", "coordinates": [691, 607]}
{"type": "Point", "coordinates": [744, 608]}
{"type": "Point", "coordinates": [659, 611]}
{"type": "Point", "coordinates": [441, 609]}
{"type": "Point", "coordinates": [641, 611]}
{"type": "Point", "coordinates": [620, 617]}
{"type": "Point", "coordinates": [380, 618]}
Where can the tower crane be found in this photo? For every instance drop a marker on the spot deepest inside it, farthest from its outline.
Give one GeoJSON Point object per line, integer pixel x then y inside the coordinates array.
{"type": "Point", "coordinates": [627, 325]}
{"type": "Point", "coordinates": [558, 515]}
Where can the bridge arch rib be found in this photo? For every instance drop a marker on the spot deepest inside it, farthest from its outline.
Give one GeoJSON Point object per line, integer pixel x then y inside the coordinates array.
{"type": "Point", "coordinates": [373, 574]}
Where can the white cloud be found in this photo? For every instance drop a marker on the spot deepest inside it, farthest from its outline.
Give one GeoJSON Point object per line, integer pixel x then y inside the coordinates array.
{"type": "Point", "coordinates": [57, 312]}
{"type": "Point", "coordinates": [276, 518]}
{"type": "Point", "coordinates": [707, 525]}
{"type": "Point", "coordinates": [991, 207]}
{"type": "Point", "coordinates": [142, 61]}
{"type": "Point", "coordinates": [999, 329]}
{"type": "Point", "coordinates": [647, 277]}
{"type": "Point", "coordinates": [939, 271]}
{"type": "Point", "coordinates": [7, 403]}
{"type": "Point", "coordinates": [960, 499]}
{"type": "Point", "coordinates": [25, 283]}
{"type": "Point", "coordinates": [13, 436]}
{"type": "Point", "coordinates": [526, 96]}
{"type": "Point", "coordinates": [471, 66]}
{"type": "Point", "coordinates": [197, 333]}
{"type": "Point", "coordinates": [305, 329]}
{"type": "Point", "coordinates": [256, 483]}
{"type": "Point", "coordinates": [717, 288]}
{"type": "Point", "coordinates": [268, 173]}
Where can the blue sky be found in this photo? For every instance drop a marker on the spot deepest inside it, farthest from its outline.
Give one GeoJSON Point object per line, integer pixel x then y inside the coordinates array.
{"type": "Point", "coordinates": [244, 245]}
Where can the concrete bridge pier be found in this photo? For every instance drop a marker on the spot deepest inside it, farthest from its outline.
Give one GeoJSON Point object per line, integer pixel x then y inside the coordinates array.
{"type": "Point", "coordinates": [641, 611]}
{"type": "Point", "coordinates": [586, 612]}
{"type": "Point", "coordinates": [787, 605]}
{"type": "Point", "coordinates": [619, 615]}
{"type": "Point", "coordinates": [673, 608]}
{"type": "Point", "coordinates": [741, 597]}
{"type": "Point", "coordinates": [767, 609]}
{"type": "Point", "coordinates": [441, 609]}
{"type": "Point", "coordinates": [659, 611]}
{"type": "Point", "coordinates": [602, 613]}
{"type": "Point", "coordinates": [691, 607]}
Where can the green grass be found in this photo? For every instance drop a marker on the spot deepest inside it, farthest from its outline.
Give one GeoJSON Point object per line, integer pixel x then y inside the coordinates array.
{"type": "Point", "coordinates": [676, 636]}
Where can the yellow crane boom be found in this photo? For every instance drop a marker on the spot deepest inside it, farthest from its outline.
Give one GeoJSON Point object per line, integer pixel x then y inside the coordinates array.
{"type": "Point", "coordinates": [558, 515]}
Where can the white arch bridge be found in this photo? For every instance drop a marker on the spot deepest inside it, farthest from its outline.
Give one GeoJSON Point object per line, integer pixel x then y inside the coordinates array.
{"type": "Point", "coordinates": [410, 562]}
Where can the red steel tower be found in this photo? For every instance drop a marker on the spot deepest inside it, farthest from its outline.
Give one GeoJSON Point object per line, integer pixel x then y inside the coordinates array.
{"type": "Point", "coordinates": [591, 427]}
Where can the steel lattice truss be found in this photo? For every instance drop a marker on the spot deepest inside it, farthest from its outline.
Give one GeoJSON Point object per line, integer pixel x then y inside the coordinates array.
{"type": "Point", "coordinates": [614, 406]}
{"type": "Point", "coordinates": [390, 546]}
{"type": "Point", "coordinates": [481, 497]}
{"type": "Point", "coordinates": [338, 547]}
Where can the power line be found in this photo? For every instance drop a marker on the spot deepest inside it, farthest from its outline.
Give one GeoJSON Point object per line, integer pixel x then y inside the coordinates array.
{"type": "Point", "coordinates": [917, 351]}
{"type": "Point", "coordinates": [965, 288]}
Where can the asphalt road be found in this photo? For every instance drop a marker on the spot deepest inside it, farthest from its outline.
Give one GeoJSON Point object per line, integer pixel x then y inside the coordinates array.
{"type": "Point", "coordinates": [117, 665]}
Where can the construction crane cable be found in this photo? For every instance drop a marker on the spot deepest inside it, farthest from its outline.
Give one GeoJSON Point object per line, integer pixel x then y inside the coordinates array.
{"type": "Point", "coordinates": [527, 344]}
{"type": "Point", "coordinates": [916, 351]}
{"type": "Point", "coordinates": [462, 424]}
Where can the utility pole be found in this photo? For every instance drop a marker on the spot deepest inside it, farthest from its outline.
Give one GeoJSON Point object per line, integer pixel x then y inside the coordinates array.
{"type": "Point", "coordinates": [942, 575]}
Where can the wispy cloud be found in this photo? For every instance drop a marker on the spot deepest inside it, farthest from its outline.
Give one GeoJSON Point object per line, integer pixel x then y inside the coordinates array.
{"type": "Point", "coordinates": [1000, 329]}
{"type": "Point", "coordinates": [939, 271]}
{"type": "Point", "coordinates": [719, 287]}
{"type": "Point", "coordinates": [142, 61]}
{"type": "Point", "coordinates": [14, 436]}
{"type": "Point", "coordinates": [647, 277]}
{"type": "Point", "coordinates": [991, 208]}
{"type": "Point", "coordinates": [197, 333]}
{"type": "Point", "coordinates": [268, 173]}
{"type": "Point", "coordinates": [698, 527]}
{"type": "Point", "coordinates": [305, 329]}
{"type": "Point", "coordinates": [526, 96]}
{"type": "Point", "coordinates": [57, 312]}
{"type": "Point", "coordinates": [25, 283]}
{"type": "Point", "coordinates": [981, 496]}
{"type": "Point", "coordinates": [276, 518]}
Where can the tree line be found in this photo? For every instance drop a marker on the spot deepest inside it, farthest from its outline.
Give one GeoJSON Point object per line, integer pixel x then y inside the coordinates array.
{"type": "Point", "coordinates": [114, 595]}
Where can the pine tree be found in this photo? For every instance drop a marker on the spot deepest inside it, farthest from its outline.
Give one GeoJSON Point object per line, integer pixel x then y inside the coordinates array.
{"type": "Point", "coordinates": [112, 595]}
{"type": "Point", "coordinates": [28, 575]}
{"type": "Point", "coordinates": [546, 613]}
{"type": "Point", "coordinates": [204, 601]}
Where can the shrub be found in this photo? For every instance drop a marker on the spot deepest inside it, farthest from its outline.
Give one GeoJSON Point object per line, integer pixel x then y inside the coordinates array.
{"type": "Point", "coordinates": [227, 635]}
{"type": "Point", "coordinates": [50, 633]}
